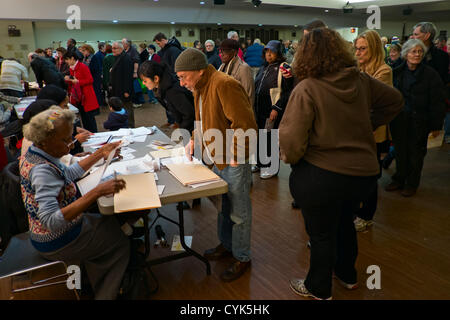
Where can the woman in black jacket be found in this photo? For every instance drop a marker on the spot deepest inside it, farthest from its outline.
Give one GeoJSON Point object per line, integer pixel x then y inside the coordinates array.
{"type": "Point", "coordinates": [178, 101]}
{"type": "Point", "coordinates": [268, 111]}
{"type": "Point", "coordinates": [423, 113]}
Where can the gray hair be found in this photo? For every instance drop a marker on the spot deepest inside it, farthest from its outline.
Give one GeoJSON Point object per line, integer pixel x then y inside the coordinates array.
{"type": "Point", "coordinates": [210, 41]}
{"type": "Point", "coordinates": [258, 41]}
{"type": "Point", "coordinates": [231, 34]}
{"type": "Point", "coordinates": [118, 43]}
{"type": "Point", "coordinates": [126, 40]}
{"type": "Point", "coordinates": [411, 44]}
{"type": "Point", "coordinates": [427, 27]}
{"type": "Point", "coordinates": [42, 125]}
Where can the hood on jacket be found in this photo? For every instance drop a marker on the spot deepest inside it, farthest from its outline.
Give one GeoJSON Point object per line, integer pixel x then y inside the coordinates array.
{"type": "Point", "coordinates": [173, 42]}
{"type": "Point", "coordinates": [342, 84]}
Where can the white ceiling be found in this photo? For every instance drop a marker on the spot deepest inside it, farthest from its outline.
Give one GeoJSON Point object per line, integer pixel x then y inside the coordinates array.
{"type": "Point", "coordinates": [270, 12]}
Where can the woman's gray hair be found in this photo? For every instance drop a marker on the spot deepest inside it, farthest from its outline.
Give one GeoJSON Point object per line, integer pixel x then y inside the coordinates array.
{"type": "Point", "coordinates": [411, 44]}
{"type": "Point", "coordinates": [210, 41]}
{"type": "Point", "coordinates": [231, 34]}
{"type": "Point", "coordinates": [42, 125]}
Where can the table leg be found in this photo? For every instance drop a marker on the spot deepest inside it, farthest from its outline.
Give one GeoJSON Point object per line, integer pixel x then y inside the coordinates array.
{"type": "Point", "coordinates": [183, 243]}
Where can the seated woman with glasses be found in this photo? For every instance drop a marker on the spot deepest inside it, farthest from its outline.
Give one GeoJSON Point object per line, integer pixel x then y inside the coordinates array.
{"type": "Point", "coordinates": [60, 228]}
{"type": "Point", "coordinates": [424, 111]}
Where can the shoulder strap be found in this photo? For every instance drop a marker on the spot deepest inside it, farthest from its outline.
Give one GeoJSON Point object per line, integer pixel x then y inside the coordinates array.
{"type": "Point", "coordinates": [280, 76]}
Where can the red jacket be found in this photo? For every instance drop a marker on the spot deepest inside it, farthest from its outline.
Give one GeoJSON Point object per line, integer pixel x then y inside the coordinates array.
{"type": "Point", "coordinates": [83, 75]}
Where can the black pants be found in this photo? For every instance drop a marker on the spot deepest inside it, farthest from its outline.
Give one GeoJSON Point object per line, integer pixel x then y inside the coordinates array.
{"type": "Point", "coordinates": [328, 201]}
{"type": "Point", "coordinates": [369, 205]}
{"type": "Point", "coordinates": [130, 110]}
{"type": "Point", "coordinates": [88, 119]}
{"type": "Point", "coordinates": [410, 137]}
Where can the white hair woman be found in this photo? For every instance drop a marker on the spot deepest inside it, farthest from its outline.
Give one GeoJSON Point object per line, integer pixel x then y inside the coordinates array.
{"type": "Point", "coordinates": [60, 228]}
{"type": "Point", "coordinates": [423, 113]}
{"type": "Point", "coordinates": [212, 54]}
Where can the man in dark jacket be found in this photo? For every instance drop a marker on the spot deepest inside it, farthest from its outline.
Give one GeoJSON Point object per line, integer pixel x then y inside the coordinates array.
{"type": "Point", "coordinates": [170, 50]}
{"type": "Point", "coordinates": [434, 57]}
{"type": "Point", "coordinates": [138, 97]}
{"type": "Point", "coordinates": [45, 71]}
{"type": "Point", "coordinates": [96, 68]}
{"type": "Point", "coordinates": [71, 46]}
{"type": "Point", "coordinates": [122, 79]}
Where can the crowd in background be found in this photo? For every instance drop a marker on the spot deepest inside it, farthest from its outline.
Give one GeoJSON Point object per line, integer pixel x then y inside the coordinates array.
{"type": "Point", "coordinates": [276, 80]}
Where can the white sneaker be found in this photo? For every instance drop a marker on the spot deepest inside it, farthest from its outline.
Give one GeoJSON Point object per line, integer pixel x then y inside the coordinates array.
{"type": "Point", "coordinates": [265, 174]}
{"type": "Point", "coordinates": [255, 168]}
{"type": "Point", "coordinates": [361, 224]}
{"type": "Point", "coordinates": [298, 286]}
{"type": "Point", "coordinates": [137, 105]}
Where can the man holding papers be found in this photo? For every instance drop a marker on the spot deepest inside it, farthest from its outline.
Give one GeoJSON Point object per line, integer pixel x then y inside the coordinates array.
{"type": "Point", "coordinates": [222, 107]}
{"type": "Point", "coordinates": [60, 228]}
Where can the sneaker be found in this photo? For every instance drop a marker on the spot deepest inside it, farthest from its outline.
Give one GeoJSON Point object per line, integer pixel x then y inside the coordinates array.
{"type": "Point", "coordinates": [361, 224]}
{"type": "Point", "coordinates": [137, 105]}
{"type": "Point", "coordinates": [154, 101]}
{"type": "Point", "coordinates": [298, 286]}
{"type": "Point", "coordinates": [255, 168]}
{"type": "Point", "coordinates": [264, 174]}
{"type": "Point", "coordinates": [349, 286]}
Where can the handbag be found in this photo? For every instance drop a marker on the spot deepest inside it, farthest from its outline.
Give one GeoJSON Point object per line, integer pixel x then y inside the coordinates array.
{"type": "Point", "coordinates": [76, 95]}
{"type": "Point", "coordinates": [275, 93]}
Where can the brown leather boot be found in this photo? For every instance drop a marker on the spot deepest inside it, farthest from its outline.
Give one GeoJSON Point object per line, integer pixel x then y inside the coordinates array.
{"type": "Point", "coordinates": [235, 270]}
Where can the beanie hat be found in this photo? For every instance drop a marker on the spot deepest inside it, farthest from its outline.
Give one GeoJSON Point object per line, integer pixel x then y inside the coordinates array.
{"type": "Point", "coordinates": [191, 59]}
{"type": "Point", "coordinates": [52, 92]}
{"type": "Point", "coordinates": [229, 44]}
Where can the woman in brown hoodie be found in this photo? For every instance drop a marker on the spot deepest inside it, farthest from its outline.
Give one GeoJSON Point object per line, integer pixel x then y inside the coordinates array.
{"type": "Point", "coordinates": [326, 134]}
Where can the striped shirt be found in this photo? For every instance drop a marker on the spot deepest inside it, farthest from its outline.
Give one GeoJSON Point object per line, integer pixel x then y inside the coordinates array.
{"type": "Point", "coordinates": [12, 73]}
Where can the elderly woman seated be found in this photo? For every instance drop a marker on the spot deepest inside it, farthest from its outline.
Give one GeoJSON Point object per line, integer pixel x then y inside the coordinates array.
{"type": "Point", "coordinates": [60, 228]}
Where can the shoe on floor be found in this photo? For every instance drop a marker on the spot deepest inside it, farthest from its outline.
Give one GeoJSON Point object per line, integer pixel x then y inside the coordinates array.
{"type": "Point", "coordinates": [295, 205]}
{"type": "Point", "coordinates": [298, 286]}
{"type": "Point", "coordinates": [393, 186]}
{"type": "Point", "coordinates": [235, 270]}
{"type": "Point", "coordinates": [408, 192]}
{"type": "Point", "coordinates": [361, 224]}
{"type": "Point", "coordinates": [255, 168]}
{"type": "Point", "coordinates": [349, 286]}
{"type": "Point", "coordinates": [265, 174]}
{"type": "Point", "coordinates": [154, 101]}
{"type": "Point", "coordinates": [137, 105]}
{"type": "Point", "coordinates": [217, 253]}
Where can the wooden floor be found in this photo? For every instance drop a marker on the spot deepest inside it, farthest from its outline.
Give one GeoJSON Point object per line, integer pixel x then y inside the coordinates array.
{"type": "Point", "coordinates": [409, 241]}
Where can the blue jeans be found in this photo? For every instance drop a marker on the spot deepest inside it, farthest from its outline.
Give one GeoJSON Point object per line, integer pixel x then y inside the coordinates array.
{"type": "Point", "coordinates": [235, 221]}
{"type": "Point", "coordinates": [447, 124]}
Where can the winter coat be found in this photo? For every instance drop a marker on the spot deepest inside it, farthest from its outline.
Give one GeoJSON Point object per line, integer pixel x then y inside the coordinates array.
{"type": "Point", "coordinates": [121, 77]}
{"type": "Point", "coordinates": [46, 71]}
{"type": "Point", "coordinates": [83, 75]}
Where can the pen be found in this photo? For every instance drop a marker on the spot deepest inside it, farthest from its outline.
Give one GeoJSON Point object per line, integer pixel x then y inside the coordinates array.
{"type": "Point", "coordinates": [109, 139]}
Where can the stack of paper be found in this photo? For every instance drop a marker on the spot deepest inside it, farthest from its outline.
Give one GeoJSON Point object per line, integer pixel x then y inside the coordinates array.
{"type": "Point", "coordinates": [175, 152]}
{"type": "Point", "coordinates": [97, 140]}
{"type": "Point", "coordinates": [191, 173]}
{"type": "Point", "coordinates": [140, 193]}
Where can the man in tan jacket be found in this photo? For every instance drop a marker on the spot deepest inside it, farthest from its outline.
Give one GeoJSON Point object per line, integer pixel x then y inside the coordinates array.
{"type": "Point", "coordinates": [222, 107]}
{"type": "Point", "coordinates": [235, 67]}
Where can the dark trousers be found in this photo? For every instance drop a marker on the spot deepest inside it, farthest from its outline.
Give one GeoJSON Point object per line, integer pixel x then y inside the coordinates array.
{"type": "Point", "coordinates": [88, 119]}
{"type": "Point", "coordinates": [410, 137]}
{"type": "Point", "coordinates": [369, 205]}
{"type": "Point", "coordinates": [261, 125]}
{"type": "Point", "coordinates": [328, 201]}
{"type": "Point", "coordinates": [130, 110]}
{"type": "Point", "coordinates": [13, 93]}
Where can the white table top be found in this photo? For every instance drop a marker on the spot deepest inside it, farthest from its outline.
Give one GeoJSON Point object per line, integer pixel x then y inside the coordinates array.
{"type": "Point", "coordinates": [26, 101]}
{"type": "Point", "coordinates": [174, 191]}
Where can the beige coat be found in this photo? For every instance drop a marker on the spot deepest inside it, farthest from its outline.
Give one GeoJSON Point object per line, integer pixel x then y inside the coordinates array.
{"type": "Point", "coordinates": [242, 72]}
{"type": "Point", "coordinates": [383, 74]}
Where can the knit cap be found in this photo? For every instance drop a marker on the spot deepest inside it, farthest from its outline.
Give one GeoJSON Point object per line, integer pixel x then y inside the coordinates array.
{"type": "Point", "coordinates": [191, 59]}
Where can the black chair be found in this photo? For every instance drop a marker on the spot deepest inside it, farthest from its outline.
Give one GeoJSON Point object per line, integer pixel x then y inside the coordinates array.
{"type": "Point", "coordinates": [13, 216]}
